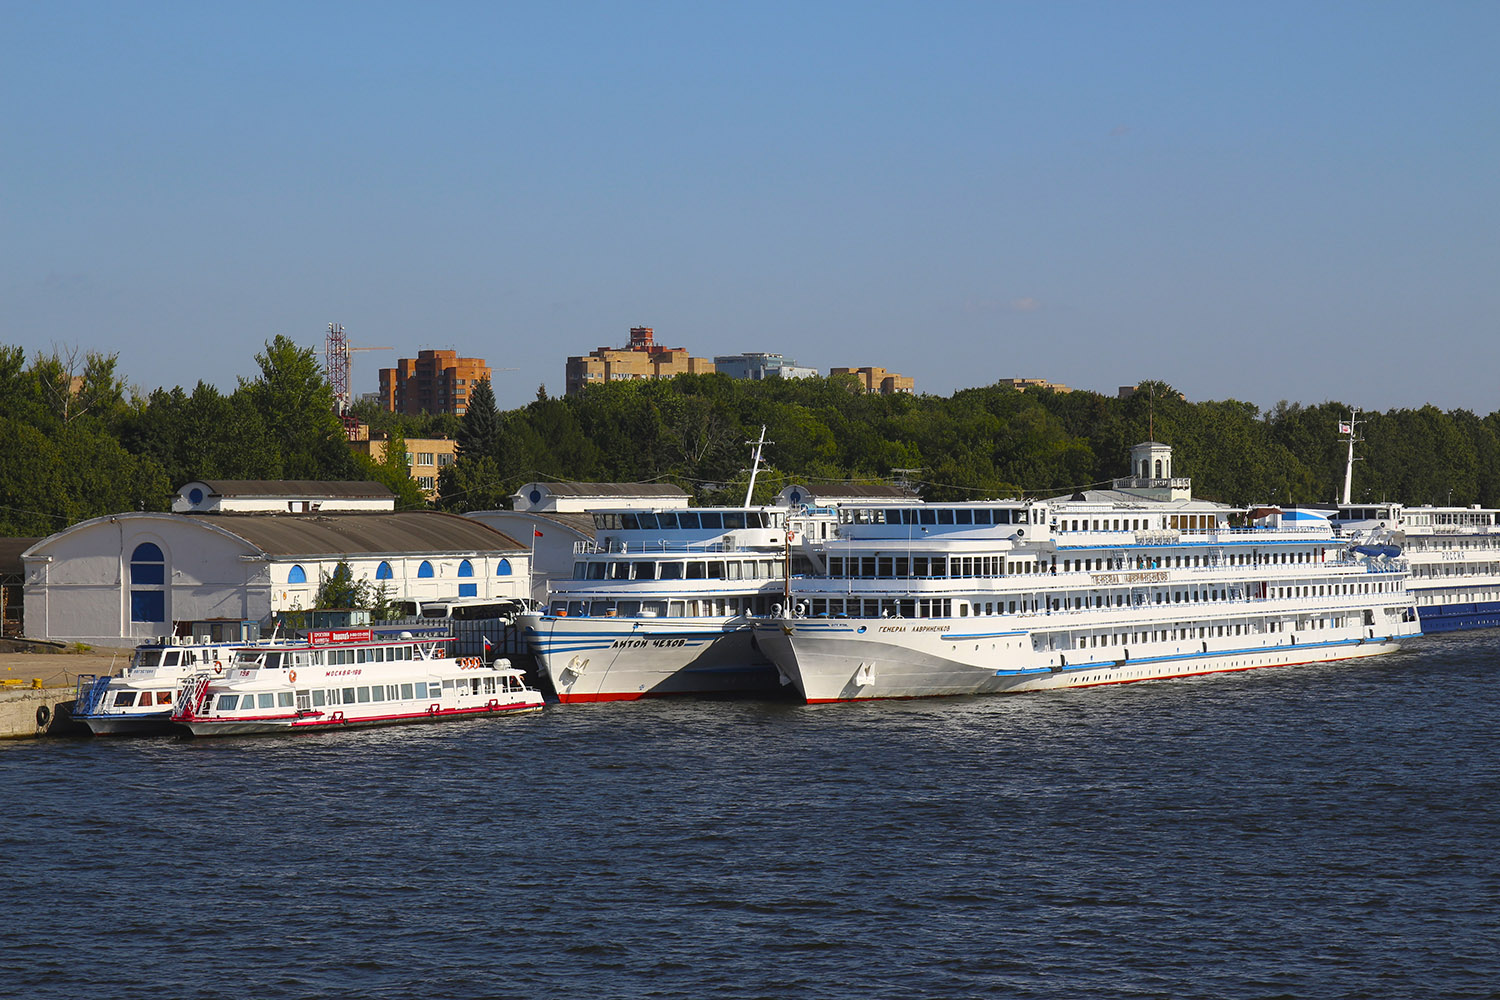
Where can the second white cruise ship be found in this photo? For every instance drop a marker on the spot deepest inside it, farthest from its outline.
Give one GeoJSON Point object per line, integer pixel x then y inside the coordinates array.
{"type": "Point", "coordinates": [1137, 582]}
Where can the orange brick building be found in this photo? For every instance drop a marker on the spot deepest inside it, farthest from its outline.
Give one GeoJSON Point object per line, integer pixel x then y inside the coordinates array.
{"type": "Point", "coordinates": [641, 359]}
{"type": "Point", "coordinates": [432, 382]}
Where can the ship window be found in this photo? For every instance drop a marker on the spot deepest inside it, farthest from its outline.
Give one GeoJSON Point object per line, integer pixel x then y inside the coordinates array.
{"type": "Point", "coordinates": [674, 609]}
{"type": "Point", "coordinates": [226, 702]}
{"type": "Point", "coordinates": [695, 571]}
{"type": "Point", "coordinates": [596, 571]}
{"type": "Point", "coordinates": [347, 697]}
{"type": "Point", "coordinates": [734, 521]}
{"type": "Point", "coordinates": [579, 569]}
{"type": "Point", "coordinates": [266, 700]}
{"type": "Point", "coordinates": [124, 699]}
{"type": "Point", "coordinates": [645, 571]}
{"type": "Point", "coordinates": [629, 522]}
{"type": "Point", "coordinates": [362, 694]}
{"type": "Point", "coordinates": [734, 570]}
{"type": "Point", "coordinates": [945, 516]}
{"type": "Point", "coordinates": [927, 516]}
{"type": "Point", "coordinates": [964, 516]}
{"type": "Point", "coordinates": [319, 698]}
{"type": "Point", "coordinates": [671, 571]}
{"type": "Point", "coordinates": [711, 519]}
{"type": "Point", "coordinates": [619, 571]}
{"type": "Point", "coordinates": [630, 609]}
{"type": "Point", "coordinates": [716, 570]}
{"type": "Point", "coordinates": [284, 699]}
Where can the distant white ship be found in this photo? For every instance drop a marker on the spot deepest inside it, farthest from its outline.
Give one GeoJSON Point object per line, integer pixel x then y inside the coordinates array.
{"type": "Point", "coordinates": [1454, 552]}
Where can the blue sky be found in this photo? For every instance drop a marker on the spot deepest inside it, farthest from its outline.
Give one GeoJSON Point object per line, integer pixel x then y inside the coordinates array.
{"type": "Point", "coordinates": [1255, 201]}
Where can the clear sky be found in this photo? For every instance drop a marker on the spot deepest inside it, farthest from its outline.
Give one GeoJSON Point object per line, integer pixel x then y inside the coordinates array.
{"type": "Point", "coordinates": [1258, 201]}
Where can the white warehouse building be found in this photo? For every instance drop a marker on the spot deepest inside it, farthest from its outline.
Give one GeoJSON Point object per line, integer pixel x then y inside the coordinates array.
{"type": "Point", "coordinates": [247, 550]}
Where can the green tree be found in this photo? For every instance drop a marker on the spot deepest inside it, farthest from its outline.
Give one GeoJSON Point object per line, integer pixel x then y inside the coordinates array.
{"type": "Point", "coordinates": [296, 405]}
{"type": "Point", "coordinates": [479, 430]}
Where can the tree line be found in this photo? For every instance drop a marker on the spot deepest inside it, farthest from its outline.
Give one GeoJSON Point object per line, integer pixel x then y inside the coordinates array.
{"type": "Point", "coordinates": [80, 445]}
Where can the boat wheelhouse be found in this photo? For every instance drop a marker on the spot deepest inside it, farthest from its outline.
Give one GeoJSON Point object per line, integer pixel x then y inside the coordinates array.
{"type": "Point", "coordinates": [1137, 582]}
{"type": "Point", "coordinates": [338, 678]}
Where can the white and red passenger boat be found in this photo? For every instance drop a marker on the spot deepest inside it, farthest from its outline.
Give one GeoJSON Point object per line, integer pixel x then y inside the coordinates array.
{"type": "Point", "coordinates": [339, 678]}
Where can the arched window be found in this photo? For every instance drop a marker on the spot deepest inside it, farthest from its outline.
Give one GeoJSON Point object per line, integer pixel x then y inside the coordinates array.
{"type": "Point", "coordinates": [297, 575]}
{"type": "Point", "coordinates": [383, 572]}
{"type": "Point", "coordinates": [195, 496]}
{"type": "Point", "coordinates": [504, 568]}
{"type": "Point", "coordinates": [148, 569]}
{"type": "Point", "coordinates": [424, 571]}
{"type": "Point", "coordinates": [466, 568]}
{"type": "Point", "coordinates": [1158, 468]}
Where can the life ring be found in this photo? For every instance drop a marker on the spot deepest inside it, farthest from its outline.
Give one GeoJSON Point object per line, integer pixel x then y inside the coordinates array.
{"type": "Point", "coordinates": [218, 667]}
{"type": "Point", "coordinates": [292, 677]}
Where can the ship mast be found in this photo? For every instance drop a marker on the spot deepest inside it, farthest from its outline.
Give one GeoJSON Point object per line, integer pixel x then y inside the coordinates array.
{"type": "Point", "coordinates": [1350, 428]}
{"type": "Point", "coordinates": [755, 465]}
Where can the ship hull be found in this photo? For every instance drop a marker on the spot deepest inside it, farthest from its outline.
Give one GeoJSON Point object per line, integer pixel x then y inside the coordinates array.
{"type": "Point", "coordinates": [615, 659]}
{"type": "Point", "coordinates": [854, 661]}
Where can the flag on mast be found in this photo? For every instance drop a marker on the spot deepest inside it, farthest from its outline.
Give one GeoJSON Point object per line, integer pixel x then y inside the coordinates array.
{"type": "Point", "coordinates": [1345, 427]}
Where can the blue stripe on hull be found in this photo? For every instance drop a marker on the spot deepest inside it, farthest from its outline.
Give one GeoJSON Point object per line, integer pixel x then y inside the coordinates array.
{"type": "Point", "coordinates": [1458, 617]}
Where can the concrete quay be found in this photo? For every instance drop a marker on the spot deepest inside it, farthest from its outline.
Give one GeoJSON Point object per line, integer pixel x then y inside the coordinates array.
{"type": "Point", "coordinates": [38, 684]}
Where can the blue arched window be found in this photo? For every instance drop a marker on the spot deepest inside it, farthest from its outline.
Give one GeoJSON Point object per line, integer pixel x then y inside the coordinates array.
{"type": "Point", "coordinates": [383, 572]}
{"type": "Point", "coordinates": [504, 568]}
{"type": "Point", "coordinates": [466, 568]}
{"type": "Point", "coordinates": [148, 565]}
{"type": "Point", "coordinates": [297, 575]}
{"type": "Point", "coordinates": [148, 569]}
{"type": "Point", "coordinates": [424, 571]}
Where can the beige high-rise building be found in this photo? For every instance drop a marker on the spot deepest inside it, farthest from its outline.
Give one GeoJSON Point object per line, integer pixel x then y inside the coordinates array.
{"type": "Point", "coordinates": [643, 358]}
{"type": "Point", "coordinates": [878, 380]}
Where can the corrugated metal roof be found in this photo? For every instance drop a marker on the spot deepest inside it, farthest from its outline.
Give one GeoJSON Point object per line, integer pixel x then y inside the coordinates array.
{"type": "Point", "coordinates": [300, 488]}
{"type": "Point", "coordinates": [10, 554]}
{"type": "Point", "coordinates": [412, 531]}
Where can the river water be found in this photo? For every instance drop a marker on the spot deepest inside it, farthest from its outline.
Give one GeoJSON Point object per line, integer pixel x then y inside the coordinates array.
{"type": "Point", "coordinates": [1326, 831]}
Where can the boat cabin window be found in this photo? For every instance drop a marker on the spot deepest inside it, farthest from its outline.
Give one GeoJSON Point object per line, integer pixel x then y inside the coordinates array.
{"type": "Point", "coordinates": [596, 571]}
{"type": "Point", "coordinates": [671, 571]}
{"type": "Point", "coordinates": [227, 702]}
{"type": "Point", "coordinates": [645, 571]}
{"type": "Point", "coordinates": [125, 699]}
{"type": "Point", "coordinates": [712, 519]}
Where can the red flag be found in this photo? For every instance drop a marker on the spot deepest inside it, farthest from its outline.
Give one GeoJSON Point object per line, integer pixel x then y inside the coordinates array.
{"type": "Point", "coordinates": [538, 534]}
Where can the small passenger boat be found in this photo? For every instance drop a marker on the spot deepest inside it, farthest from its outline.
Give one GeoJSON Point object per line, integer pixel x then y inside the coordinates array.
{"type": "Point", "coordinates": [139, 700]}
{"type": "Point", "coordinates": [339, 678]}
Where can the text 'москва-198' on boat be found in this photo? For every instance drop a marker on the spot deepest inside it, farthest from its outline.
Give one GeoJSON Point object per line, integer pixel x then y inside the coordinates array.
{"type": "Point", "coordinates": [338, 678]}
{"type": "Point", "coordinates": [1140, 581]}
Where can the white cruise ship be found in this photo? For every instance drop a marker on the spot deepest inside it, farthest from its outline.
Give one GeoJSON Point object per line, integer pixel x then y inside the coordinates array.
{"type": "Point", "coordinates": [662, 601]}
{"type": "Point", "coordinates": [1133, 583]}
{"type": "Point", "coordinates": [1454, 552]}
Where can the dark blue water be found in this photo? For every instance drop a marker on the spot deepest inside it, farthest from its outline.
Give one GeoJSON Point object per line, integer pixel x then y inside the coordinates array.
{"type": "Point", "coordinates": [1328, 831]}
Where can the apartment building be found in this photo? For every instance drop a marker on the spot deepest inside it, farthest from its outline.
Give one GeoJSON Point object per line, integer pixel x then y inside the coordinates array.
{"type": "Point", "coordinates": [878, 380]}
{"type": "Point", "coordinates": [642, 358]}
{"type": "Point", "coordinates": [432, 382]}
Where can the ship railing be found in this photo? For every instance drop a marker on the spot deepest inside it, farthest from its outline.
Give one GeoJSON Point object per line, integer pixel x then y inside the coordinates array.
{"type": "Point", "coordinates": [660, 546]}
{"type": "Point", "coordinates": [190, 696]}
{"type": "Point", "coordinates": [91, 688]}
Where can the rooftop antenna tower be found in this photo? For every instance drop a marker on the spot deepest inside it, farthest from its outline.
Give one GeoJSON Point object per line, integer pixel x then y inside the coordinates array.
{"type": "Point", "coordinates": [336, 352]}
{"type": "Point", "coordinates": [1350, 427]}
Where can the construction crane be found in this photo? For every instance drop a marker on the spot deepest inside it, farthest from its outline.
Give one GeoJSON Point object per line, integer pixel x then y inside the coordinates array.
{"type": "Point", "coordinates": [337, 353]}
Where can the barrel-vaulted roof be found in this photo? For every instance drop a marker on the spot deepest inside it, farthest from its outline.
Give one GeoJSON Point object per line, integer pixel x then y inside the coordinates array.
{"type": "Point", "coordinates": [413, 531]}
